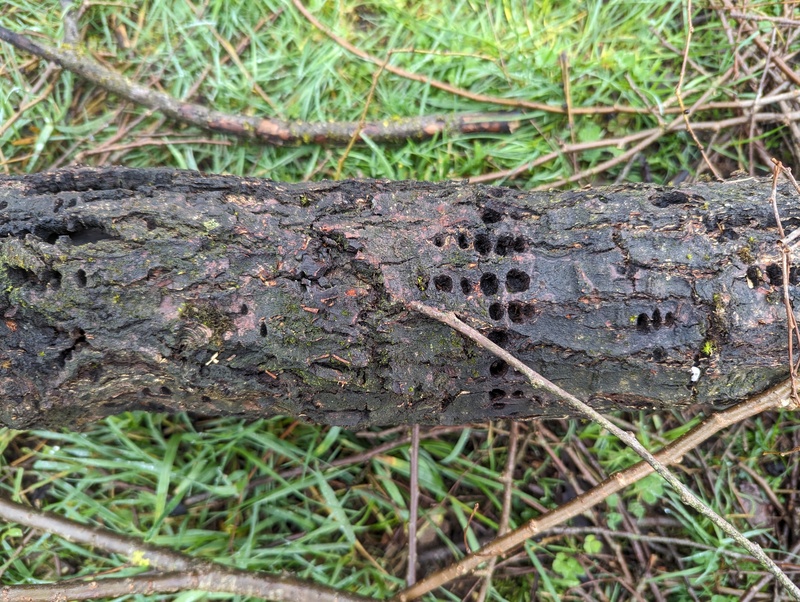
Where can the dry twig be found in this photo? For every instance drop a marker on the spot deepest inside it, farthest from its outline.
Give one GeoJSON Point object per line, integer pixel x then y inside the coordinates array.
{"type": "Point", "coordinates": [679, 92]}
{"type": "Point", "coordinates": [212, 581]}
{"type": "Point", "coordinates": [413, 507]}
{"type": "Point", "coordinates": [786, 255]}
{"type": "Point", "coordinates": [508, 490]}
{"type": "Point", "coordinates": [182, 572]}
{"type": "Point", "coordinates": [264, 130]}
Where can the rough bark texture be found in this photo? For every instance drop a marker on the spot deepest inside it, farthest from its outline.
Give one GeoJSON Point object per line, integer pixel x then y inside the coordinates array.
{"type": "Point", "coordinates": [162, 290]}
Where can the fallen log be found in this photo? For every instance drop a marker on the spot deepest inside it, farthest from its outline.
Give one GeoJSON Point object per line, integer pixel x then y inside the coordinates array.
{"type": "Point", "coordinates": [165, 290]}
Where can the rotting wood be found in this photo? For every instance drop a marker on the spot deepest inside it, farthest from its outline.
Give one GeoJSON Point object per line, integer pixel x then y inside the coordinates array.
{"type": "Point", "coordinates": [166, 290]}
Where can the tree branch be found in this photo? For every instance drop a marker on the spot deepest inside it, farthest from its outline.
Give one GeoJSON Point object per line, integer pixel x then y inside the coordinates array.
{"type": "Point", "coordinates": [263, 130]}
{"type": "Point", "coordinates": [183, 572]}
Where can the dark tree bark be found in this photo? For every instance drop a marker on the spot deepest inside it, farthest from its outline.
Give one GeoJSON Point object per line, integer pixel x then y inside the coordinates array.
{"type": "Point", "coordinates": [152, 289]}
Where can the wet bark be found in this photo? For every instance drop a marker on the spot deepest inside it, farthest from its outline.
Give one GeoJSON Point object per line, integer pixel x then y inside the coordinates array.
{"type": "Point", "coordinates": [161, 290]}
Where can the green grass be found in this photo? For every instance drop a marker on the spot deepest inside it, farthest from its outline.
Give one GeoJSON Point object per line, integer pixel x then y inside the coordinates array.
{"type": "Point", "coordinates": [189, 485]}
{"type": "Point", "coordinates": [305, 75]}
{"type": "Point", "coordinates": [263, 496]}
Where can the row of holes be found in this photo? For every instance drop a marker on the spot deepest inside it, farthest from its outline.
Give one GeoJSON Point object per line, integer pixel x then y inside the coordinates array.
{"type": "Point", "coordinates": [60, 202]}
{"type": "Point", "coordinates": [505, 244]}
{"type": "Point", "coordinates": [774, 275]}
{"type": "Point", "coordinates": [518, 312]}
{"type": "Point", "coordinates": [517, 281]}
{"type": "Point", "coordinates": [498, 367]}
{"type": "Point", "coordinates": [19, 276]}
{"type": "Point", "coordinates": [645, 323]}
{"type": "Point", "coordinates": [162, 391]}
{"type": "Point", "coordinates": [495, 395]}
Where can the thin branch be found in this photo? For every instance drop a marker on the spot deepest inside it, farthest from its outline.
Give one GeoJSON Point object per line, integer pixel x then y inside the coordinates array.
{"type": "Point", "coordinates": [241, 583]}
{"type": "Point", "coordinates": [792, 557]}
{"type": "Point", "coordinates": [776, 396]}
{"type": "Point", "coordinates": [666, 44]}
{"type": "Point", "coordinates": [750, 103]}
{"type": "Point", "coordinates": [786, 252]}
{"type": "Point", "coordinates": [508, 490]}
{"type": "Point", "coordinates": [434, 83]}
{"type": "Point", "coordinates": [794, 130]}
{"type": "Point", "coordinates": [569, 148]}
{"type": "Point", "coordinates": [70, 16]}
{"type": "Point", "coordinates": [751, 17]}
{"type": "Point", "coordinates": [786, 256]}
{"type": "Point", "coordinates": [357, 458]}
{"type": "Point", "coordinates": [235, 53]}
{"type": "Point", "coordinates": [759, 93]}
{"type": "Point", "coordinates": [679, 91]}
{"type": "Point", "coordinates": [674, 125]}
{"type": "Point", "coordinates": [362, 120]}
{"type": "Point", "coordinates": [28, 105]}
{"type": "Point", "coordinates": [267, 131]}
{"type": "Point", "coordinates": [753, 590]}
{"type": "Point", "coordinates": [497, 100]}
{"type": "Point", "coordinates": [200, 579]}
{"type": "Point", "coordinates": [779, 61]}
{"type": "Point", "coordinates": [413, 507]}
{"type": "Point", "coordinates": [654, 134]}
{"type": "Point", "coordinates": [126, 126]}
{"type": "Point", "coordinates": [648, 136]}
{"type": "Point", "coordinates": [563, 60]}
{"type": "Point", "coordinates": [155, 557]}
